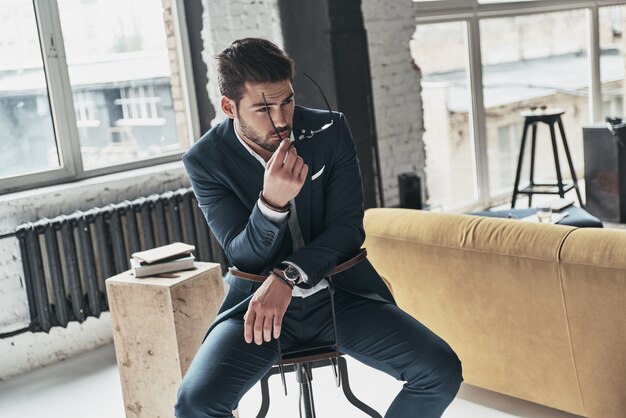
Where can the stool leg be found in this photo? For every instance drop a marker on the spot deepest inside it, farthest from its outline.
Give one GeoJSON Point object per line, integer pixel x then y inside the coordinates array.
{"type": "Point", "coordinates": [345, 383]}
{"type": "Point", "coordinates": [265, 393]}
{"type": "Point", "coordinates": [569, 162]}
{"type": "Point", "coordinates": [304, 377]}
{"type": "Point", "coordinates": [265, 396]}
{"type": "Point", "coordinates": [519, 165]}
{"type": "Point", "coordinates": [532, 162]}
{"type": "Point", "coordinates": [559, 177]}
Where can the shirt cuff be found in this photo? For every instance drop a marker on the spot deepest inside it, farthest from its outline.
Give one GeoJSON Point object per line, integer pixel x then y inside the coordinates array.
{"type": "Point", "coordinates": [303, 275]}
{"type": "Point", "coordinates": [272, 215]}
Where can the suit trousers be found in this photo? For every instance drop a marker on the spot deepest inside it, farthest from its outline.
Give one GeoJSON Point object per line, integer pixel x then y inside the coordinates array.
{"type": "Point", "coordinates": [378, 334]}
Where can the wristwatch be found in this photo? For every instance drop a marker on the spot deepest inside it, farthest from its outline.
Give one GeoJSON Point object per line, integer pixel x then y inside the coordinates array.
{"type": "Point", "coordinates": [291, 273]}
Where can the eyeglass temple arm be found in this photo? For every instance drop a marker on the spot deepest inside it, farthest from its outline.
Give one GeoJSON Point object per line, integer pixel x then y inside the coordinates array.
{"type": "Point", "coordinates": [321, 92]}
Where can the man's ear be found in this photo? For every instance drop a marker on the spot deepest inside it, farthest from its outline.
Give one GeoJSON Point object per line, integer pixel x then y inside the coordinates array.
{"type": "Point", "coordinates": [228, 107]}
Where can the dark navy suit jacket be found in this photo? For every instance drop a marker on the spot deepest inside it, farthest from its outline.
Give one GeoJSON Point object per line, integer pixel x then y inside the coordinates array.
{"type": "Point", "coordinates": [226, 180]}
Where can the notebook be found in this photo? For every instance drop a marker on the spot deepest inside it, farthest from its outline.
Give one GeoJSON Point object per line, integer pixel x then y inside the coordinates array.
{"type": "Point", "coordinates": [164, 252]}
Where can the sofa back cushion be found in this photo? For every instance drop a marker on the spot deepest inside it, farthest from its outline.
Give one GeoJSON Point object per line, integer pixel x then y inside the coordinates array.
{"type": "Point", "coordinates": [489, 287]}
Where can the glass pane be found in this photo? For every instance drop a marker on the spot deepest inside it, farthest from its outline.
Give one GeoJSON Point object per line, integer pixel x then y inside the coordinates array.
{"type": "Point", "coordinates": [533, 61]}
{"type": "Point", "coordinates": [120, 62]}
{"type": "Point", "coordinates": [612, 60]}
{"type": "Point", "coordinates": [27, 140]}
{"type": "Point", "coordinates": [450, 162]}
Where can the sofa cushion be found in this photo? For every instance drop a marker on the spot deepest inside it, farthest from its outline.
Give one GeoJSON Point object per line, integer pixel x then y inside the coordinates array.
{"type": "Point", "coordinates": [593, 266]}
{"type": "Point", "coordinates": [490, 288]}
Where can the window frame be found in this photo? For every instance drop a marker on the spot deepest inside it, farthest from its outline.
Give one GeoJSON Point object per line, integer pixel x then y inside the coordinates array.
{"type": "Point", "coordinates": [472, 12]}
{"type": "Point", "coordinates": [62, 106]}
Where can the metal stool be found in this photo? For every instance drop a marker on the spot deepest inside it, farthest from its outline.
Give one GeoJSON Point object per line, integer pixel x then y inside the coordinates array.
{"type": "Point", "coordinates": [303, 361]}
{"type": "Point", "coordinates": [549, 117]}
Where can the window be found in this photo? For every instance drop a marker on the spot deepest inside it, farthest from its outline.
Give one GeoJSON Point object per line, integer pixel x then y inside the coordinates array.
{"type": "Point", "coordinates": [85, 108]}
{"type": "Point", "coordinates": [518, 54]}
{"type": "Point", "coordinates": [612, 60]}
{"type": "Point", "coordinates": [139, 106]}
{"type": "Point", "coordinates": [27, 140]}
{"type": "Point", "coordinates": [504, 155]}
{"type": "Point", "coordinates": [547, 67]}
{"type": "Point", "coordinates": [450, 168]}
{"type": "Point", "coordinates": [101, 89]}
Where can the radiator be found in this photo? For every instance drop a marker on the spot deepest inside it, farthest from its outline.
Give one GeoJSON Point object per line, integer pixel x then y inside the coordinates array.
{"type": "Point", "coordinates": [67, 259]}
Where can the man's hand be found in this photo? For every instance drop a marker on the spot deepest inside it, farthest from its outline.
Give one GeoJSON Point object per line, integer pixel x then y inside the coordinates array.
{"type": "Point", "coordinates": [283, 181]}
{"type": "Point", "coordinates": [266, 309]}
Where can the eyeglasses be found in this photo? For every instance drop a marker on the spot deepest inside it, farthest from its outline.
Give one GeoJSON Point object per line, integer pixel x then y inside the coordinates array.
{"type": "Point", "coordinates": [311, 132]}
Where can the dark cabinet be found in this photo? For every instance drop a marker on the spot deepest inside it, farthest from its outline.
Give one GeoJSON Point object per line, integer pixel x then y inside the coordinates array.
{"type": "Point", "coordinates": [605, 171]}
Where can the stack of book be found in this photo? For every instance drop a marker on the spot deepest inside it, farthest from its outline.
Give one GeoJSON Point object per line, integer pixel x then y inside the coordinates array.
{"type": "Point", "coordinates": [166, 259]}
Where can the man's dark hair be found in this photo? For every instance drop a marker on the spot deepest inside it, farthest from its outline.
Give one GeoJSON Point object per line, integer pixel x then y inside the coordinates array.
{"type": "Point", "coordinates": [251, 59]}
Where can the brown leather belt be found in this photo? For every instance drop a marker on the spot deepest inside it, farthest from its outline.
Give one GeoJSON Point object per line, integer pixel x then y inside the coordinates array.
{"type": "Point", "coordinates": [360, 256]}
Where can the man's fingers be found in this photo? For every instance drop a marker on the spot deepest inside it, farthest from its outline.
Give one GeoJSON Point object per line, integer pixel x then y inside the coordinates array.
{"type": "Point", "coordinates": [297, 166]}
{"type": "Point", "coordinates": [278, 324]}
{"type": "Point", "coordinates": [271, 160]}
{"type": "Point", "coordinates": [258, 329]}
{"type": "Point", "coordinates": [267, 329]}
{"type": "Point", "coordinates": [275, 154]}
{"type": "Point", "coordinates": [303, 172]}
{"type": "Point", "coordinates": [290, 159]}
{"type": "Point", "coordinates": [278, 156]}
{"type": "Point", "coordinates": [248, 324]}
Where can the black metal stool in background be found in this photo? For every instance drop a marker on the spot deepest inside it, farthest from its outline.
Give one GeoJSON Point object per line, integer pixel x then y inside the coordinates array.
{"type": "Point", "coordinates": [302, 361]}
{"type": "Point", "coordinates": [550, 117]}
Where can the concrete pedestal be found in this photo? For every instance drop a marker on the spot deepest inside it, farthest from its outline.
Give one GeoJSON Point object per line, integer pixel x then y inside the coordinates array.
{"type": "Point", "coordinates": [158, 324]}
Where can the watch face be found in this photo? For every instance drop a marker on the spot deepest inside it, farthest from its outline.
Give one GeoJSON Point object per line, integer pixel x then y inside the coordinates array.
{"type": "Point", "coordinates": [291, 273]}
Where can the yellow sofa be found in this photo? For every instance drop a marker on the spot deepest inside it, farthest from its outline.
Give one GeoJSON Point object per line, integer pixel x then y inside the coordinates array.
{"type": "Point", "coordinates": [533, 311]}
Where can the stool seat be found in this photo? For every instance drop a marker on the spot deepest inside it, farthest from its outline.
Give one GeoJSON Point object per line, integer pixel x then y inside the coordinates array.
{"type": "Point", "coordinates": [309, 354]}
{"type": "Point", "coordinates": [543, 114]}
{"type": "Point", "coordinates": [550, 117]}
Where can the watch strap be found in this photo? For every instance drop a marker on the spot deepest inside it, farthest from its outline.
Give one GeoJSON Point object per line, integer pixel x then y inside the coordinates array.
{"type": "Point", "coordinates": [278, 272]}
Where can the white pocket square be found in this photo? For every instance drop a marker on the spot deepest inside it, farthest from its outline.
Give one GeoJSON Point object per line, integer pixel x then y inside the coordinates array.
{"type": "Point", "coordinates": [319, 173]}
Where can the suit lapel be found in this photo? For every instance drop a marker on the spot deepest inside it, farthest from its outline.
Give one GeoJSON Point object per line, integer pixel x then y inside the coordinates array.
{"type": "Point", "coordinates": [303, 199]}
{"type": "Point", "coordinates": [241, 162]}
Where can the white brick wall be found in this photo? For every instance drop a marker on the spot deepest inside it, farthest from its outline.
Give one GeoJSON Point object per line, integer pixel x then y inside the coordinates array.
{"type": "Point", "coordinates": [223, 22]}
{"type": "Point", "coordinates": [396, 89]}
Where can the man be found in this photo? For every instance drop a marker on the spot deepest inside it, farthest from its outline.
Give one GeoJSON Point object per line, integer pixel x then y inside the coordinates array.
{"type": "Point", "coordinates": [291, 213]}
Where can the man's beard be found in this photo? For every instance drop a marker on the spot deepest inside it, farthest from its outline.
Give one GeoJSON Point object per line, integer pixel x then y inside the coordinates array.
{"type": "Point", "coordinates": [266, 142]}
